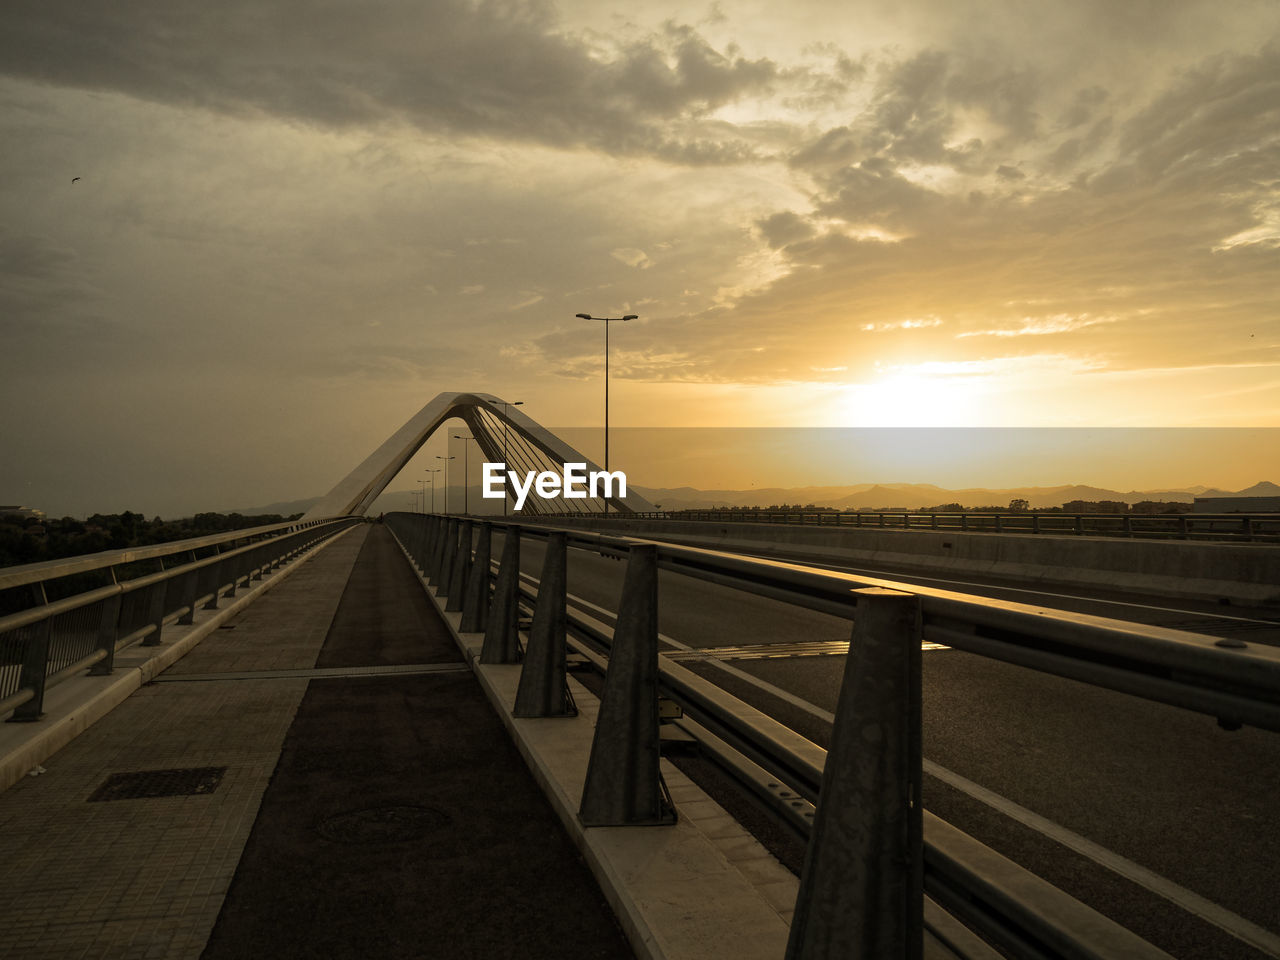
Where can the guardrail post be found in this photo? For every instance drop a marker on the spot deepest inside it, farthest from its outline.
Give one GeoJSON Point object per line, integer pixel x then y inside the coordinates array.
{"type": "Point", "coordinates": [35, 666]}
{"type": "Point", "coordinates": [501, 640]}
{"type": "Point", "coordinates": [475, 603]}
{"type": "Point", "coordinates": [437, 551]}
{"type": "Point", "coordinates": [461, 567]}
{"type": "Point", "coordinates": [624, 782]}
{"type": "Point", "coordinates": [159, 591]}
{"type": "Point", "coordinates": [544, 687]}
{"type": "Point", "coordinates": [213, 581]}
{"type": "Point", "coordinates": [861, 891]}
{"type": "Point", "coordinates": [190, 590]}
{"type": "Point", "coordinates": [237, 568]}
{"type": "Point", "coordinates": [108, 634]}
{"type": "Point", "coordinates": [448, 552]}
{"type": "Point", "coordinates": [429, 545]}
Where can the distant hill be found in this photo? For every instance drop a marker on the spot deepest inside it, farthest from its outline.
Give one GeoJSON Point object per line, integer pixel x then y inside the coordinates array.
{"type": "Point", "coordinates": [860, 496]}
{"type": "Point", "coordinates": [286, 508]}
{"type": "Point", "coordinates": [916, 496]}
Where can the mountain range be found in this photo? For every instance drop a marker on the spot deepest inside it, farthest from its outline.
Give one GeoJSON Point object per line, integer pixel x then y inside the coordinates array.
{"type": "Point", "coordinates": [864, 496]}
{"type": "Point", "coordinates": [915, 496]}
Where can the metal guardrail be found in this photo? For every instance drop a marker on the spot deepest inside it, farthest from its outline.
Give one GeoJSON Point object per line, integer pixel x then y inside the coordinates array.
{"type": "Point", "coordinates": [1228, 679]}
{"type": "Point", "coordinates": [51, 641]}
{"type": "Point", "coordinates": [1250, 528]}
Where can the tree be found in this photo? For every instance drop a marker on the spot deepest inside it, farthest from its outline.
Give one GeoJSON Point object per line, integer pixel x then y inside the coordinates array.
{"type": "Point", "coordinates": [1018, 505]}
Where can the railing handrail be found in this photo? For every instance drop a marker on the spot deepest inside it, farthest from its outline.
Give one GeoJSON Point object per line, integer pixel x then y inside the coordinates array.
{"type": "Point", "coordinates": [994, 896]}
{"type": "Point", "coordinates": [42, 570]}
{"type": "Point", "coordinates": [56, 646]}
{"type": "Point", "coordinates": [1236, 682]}
{"type": "Point", "coordinates": [1239, 527]}
{"type": "Point", "coordinates": [971, 514]}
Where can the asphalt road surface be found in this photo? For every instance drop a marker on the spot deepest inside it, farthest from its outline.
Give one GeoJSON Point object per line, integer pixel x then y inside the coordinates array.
{"type": "Point", "coordinates": [1150, 814]}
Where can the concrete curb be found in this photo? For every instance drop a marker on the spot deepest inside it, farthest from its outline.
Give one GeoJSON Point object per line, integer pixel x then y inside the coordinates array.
{"type": "Point", "coordinates": [76, 704]}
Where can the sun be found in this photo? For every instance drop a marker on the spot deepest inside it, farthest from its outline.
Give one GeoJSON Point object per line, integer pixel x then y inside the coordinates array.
{"type": "Point", "coordinates": [912, 400]}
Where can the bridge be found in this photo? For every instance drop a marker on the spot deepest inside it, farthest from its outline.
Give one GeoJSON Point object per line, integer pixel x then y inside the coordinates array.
{"type": "Point", "coordinates": [577, 733]}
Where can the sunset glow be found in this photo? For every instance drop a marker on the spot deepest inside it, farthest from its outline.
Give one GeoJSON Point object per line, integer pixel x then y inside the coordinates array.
{"type": "Point", "coordinates": [282, 241]}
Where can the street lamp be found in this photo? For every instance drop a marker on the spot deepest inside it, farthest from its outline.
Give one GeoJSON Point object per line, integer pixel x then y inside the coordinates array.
{"type": "Point", "coordinates": [466, 490]}
{"type": "Point", "coordinates": [446, 480]}
{"type": "Point", "coordinates": [506, 409]}
{"type": "Point", "coordinates": [422, 504]}
{"type": "Point", "coordinates": [432, 481]}
{"type": "Point", "coordinates": [606, 321]}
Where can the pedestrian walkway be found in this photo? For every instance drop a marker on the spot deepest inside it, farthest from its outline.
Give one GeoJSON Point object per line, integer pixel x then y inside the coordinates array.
{"type": "Point", "coordinates": [289, 812]}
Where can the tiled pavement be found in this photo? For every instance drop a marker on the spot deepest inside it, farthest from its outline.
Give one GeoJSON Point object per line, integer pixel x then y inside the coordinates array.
{"type": "Point", "coordinates": [145, 878]}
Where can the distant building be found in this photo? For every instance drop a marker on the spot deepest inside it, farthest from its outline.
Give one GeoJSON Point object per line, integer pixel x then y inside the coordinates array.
{"type": "Point", "coordinates": [1160, 506]}
{"type": "Point", "coordinates": [24, 512]}
{"type": "Point", "coordinates": [1236, 505]}
{"type": "Point", "coordinates": [1095, 506]}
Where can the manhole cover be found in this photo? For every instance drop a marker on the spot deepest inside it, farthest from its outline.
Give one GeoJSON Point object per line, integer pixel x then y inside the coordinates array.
{"type": "Point", "coordinates": [393, 824]}
{"type": "Point", "coordinates": [181, 782]}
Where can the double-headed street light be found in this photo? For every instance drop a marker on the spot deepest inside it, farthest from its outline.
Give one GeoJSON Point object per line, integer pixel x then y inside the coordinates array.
{"type": "Point", "coordinates": [606, 321]}
{"type": "Point", "coordinates": [466, 490]}
{"type": "Point", "coordinates": [446, 480]}
{"type": "Point", "coordinates": [432, 481]}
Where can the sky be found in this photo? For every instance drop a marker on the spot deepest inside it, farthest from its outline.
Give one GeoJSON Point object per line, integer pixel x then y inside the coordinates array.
{"type": "Point", "coordinates": [296, 223]}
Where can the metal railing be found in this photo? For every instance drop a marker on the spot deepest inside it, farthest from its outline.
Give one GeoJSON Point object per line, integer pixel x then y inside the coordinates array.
{"type": "Point", "coordinates": [50, 641]}
{"type": "Point", "coordinates": [1228, 679]}
{"type": "Point", "coordinates": [1260, 528]}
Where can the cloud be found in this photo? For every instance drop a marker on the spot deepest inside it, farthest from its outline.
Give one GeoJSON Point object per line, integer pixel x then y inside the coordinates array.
{"type": "Point", "coordinates": [916, 323]}
{"type": "Point", "coordinates": [780, 229]}
{"type": "Point", "coordinates": [493, 68]}
{"type": "Point", "coordinates": [632, 257]}
{"type": "Point", "coordinates": [1041, 326]}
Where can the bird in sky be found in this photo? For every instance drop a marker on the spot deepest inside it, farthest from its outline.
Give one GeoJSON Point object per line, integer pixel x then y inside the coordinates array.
{"type": "Point", "coordinates": [74, 179]}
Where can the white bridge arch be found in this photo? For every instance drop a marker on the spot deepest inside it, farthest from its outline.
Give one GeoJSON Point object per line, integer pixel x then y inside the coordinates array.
{"type": "Point", "coordinates": [530, 446]}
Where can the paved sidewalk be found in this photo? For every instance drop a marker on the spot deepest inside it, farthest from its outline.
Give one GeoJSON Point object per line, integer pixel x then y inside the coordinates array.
{"type": "Point", "coordinates": [386, 814]}
{"type": "Point", "coordinates": [146, 878]}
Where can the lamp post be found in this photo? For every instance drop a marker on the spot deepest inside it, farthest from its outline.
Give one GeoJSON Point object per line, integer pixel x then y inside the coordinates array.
{"type": "Point", "coordinates": [606, 321]}
{"type": "Point", "coordinates": [422, 504]}
{"type": "Point", "coordinates": [432, 481]}
{"type": "Point", "coordinates": [446, 480]}
{"type": "Point", "coordinates": [466, 490]}
{"type": "Point", "coordinates": [506, 409]}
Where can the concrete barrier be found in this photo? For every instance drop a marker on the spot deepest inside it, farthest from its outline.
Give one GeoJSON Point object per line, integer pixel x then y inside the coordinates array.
{"type": "Point", "coordinates": [1245, 574]}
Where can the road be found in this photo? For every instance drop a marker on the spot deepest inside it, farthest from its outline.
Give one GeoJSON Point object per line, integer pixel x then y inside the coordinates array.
{"type": "Point", "coordinates": [1150, 814]}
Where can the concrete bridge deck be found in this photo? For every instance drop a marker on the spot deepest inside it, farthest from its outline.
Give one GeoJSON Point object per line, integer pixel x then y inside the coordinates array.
{"type": "Point", "coordinates": [350, 791]}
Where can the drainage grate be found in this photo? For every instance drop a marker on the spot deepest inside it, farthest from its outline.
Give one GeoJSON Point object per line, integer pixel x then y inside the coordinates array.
{"type": "Point", "coordinates": [188, 782]}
